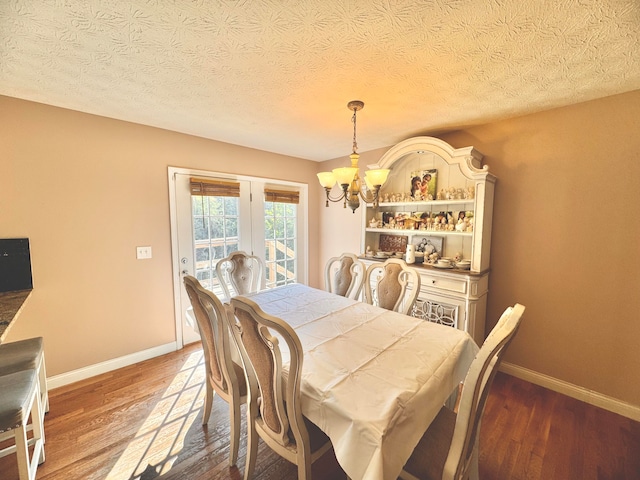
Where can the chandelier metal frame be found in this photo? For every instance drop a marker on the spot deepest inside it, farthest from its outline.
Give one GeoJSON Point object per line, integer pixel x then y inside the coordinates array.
{"type": "Point", "coordinates": [348, 178]}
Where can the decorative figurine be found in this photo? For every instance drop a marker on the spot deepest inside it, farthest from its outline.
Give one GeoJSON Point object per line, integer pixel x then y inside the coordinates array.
{"type": "Point", "coordinates": [471, 191]}
{"type": "Point", "coordinates": [429, 248]}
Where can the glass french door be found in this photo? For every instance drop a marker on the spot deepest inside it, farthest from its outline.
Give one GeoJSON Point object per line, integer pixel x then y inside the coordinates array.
{"type": "Point", "coordinates": [206, 229]}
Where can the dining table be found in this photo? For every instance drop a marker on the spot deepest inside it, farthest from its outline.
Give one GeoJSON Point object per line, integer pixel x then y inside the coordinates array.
{"type": "Point", "coordinates": [372, 379]}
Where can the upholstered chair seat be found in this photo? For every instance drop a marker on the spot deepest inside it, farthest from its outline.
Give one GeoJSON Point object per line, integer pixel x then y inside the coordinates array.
{"type": "Point", "coordinates": [23, 355]}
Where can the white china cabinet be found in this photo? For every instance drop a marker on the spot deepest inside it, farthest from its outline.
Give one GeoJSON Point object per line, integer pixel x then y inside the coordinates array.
{"type": "Point", "coordinates": [449, 211]}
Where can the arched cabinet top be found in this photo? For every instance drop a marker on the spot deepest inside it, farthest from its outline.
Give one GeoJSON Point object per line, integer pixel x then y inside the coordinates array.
{"type": "Point", "coordinates": [468, 159]}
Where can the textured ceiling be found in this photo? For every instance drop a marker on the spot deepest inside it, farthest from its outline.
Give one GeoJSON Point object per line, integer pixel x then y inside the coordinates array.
{"type": "Point", "coordinates": [277, 75]}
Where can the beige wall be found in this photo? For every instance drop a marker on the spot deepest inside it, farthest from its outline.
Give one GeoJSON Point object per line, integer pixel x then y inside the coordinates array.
{"type": "Point", "coordinates": [566, 239]}
{"type": "Point", "coordinates": [87, 190]}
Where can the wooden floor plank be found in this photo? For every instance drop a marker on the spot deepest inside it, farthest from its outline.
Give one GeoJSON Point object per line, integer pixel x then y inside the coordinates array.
{"type": "Point", "coordinates": [144, 422]}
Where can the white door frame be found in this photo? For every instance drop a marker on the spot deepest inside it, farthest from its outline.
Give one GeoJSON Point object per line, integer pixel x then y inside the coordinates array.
{"type": "Point", "coordinates": [303, 227]}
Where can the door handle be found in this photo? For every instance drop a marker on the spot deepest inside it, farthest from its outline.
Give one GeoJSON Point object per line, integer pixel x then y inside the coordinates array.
{"type": "Point", "coordinates": [184, 261]}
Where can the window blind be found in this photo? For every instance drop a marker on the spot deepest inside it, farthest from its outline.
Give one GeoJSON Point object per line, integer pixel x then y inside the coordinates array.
{"type": "Point", "coordinates": [214, 188]}
{"type": "Point", "coordinates": [281, 196]}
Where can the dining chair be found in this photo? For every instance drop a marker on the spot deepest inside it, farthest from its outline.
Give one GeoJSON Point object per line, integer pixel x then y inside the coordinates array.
{"type": "Point", "coordinates": [392, 285]}
{"type": "Point", "coordinates": [19, 402]}
{"type": "Point", "coordinates": [224, 376]}
{"type": "Point", "coordinates": [449, 448]}
{"type": "Point", "coordinates": [240, 273]}
{"type": "Point", "coordinates": [277, 418]}
{"type": "Point", "coordinates": [344, 275]}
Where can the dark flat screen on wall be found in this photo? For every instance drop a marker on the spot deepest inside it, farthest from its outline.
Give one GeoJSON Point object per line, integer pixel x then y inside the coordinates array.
{"type": "Point", "coordinates": [15, 264]}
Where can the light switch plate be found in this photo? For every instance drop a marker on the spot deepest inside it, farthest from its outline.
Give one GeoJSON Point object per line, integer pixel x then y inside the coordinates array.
{"type": "Point", "coordinates": [143, 253]}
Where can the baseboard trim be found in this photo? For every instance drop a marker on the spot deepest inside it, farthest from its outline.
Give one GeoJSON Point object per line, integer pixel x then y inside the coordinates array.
{"type": "Point", "coordinates": [585, 395]}
{"type": "Point", "coordinates": [109, 365]}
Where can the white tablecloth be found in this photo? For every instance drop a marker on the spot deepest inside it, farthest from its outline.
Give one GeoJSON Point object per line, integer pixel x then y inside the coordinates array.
{"type": "Point", "coordinates": [373, 380]}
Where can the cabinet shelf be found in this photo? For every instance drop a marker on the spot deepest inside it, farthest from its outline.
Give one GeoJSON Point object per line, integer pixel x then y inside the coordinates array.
{"type": "Point", "coordinates": [418, 232]}
{"type": "Point", "coordinates": [424, 203]}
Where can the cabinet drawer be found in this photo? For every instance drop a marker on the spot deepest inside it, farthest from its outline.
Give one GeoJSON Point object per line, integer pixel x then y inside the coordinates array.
{"type": "Point", "coordinates": [430, 281]}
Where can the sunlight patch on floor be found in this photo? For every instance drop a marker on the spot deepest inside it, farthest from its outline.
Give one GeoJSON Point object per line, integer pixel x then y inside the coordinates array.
{"type": "Point", "coordinates": [161, 437]}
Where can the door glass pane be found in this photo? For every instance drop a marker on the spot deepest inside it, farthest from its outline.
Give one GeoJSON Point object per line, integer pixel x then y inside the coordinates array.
{"type": "Point", "coordinates": [215, 233]}
{"type": "Point", "coordinates": [280, 242]}
{"type": "Point", "coordinates": [279, 228]}
{"type": "Point", "coordinates": [231, 226]}
{"type": "Point", "coordinates": [231, 206]}
{"type": "Point", "coordinates": [215, 205]}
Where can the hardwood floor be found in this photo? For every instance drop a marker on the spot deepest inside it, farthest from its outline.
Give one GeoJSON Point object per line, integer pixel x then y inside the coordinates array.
{"type": "Point", "coordinates": [144, 422]}
{"type": "Point", "coordinates": [529, 432]}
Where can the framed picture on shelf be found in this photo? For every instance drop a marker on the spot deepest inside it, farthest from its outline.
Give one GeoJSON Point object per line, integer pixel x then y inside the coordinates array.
{"type": "Point", "coordinates": [429, 244]}
{"type": "Point", "coordinates": [423, 184]}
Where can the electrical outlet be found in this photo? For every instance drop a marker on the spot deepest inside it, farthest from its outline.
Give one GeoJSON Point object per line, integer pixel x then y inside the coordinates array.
{"type": "Point", "coordinates": [143, 253]}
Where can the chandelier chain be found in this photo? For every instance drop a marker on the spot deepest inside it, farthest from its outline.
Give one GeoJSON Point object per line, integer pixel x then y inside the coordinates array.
{"type": "Point", "coordinates": [353, 119]}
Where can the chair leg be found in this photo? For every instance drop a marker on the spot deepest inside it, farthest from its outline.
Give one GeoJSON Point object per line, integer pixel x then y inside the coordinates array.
{"type": "Point", "coordinates": [22, 452]}
{"type": "Point", "coordinates": [37, 420]}
{"type": "Point", "coordinates": [234, 422]}
{"type": "Point", "coordinates": [404, 475]}
{"type": "Point", "coordinates": [304, 470]}
{"type": "Point", "coordinates": [474, 472]}
{"type": "Point", "coordinates": [44, 391]}
{"type": "Point", "coordinates": [252, 449]}
{"type": "Point", "coordinates": [28, 465]}
{"type": "Point", "coordinates": [208, 402]}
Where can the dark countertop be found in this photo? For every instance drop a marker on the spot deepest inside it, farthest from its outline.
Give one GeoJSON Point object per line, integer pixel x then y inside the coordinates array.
{"type": "Point", "coordinates": [10, 305]}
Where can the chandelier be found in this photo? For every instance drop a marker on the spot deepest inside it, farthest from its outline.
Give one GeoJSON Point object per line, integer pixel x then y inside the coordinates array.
{"type": "Point", "coordinates": [349, 179]}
